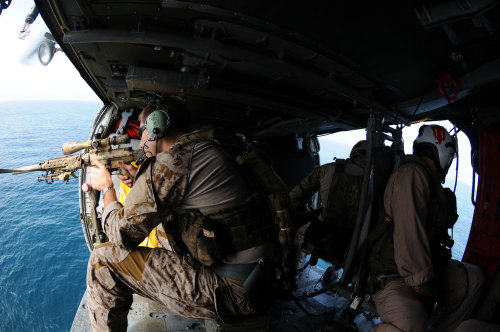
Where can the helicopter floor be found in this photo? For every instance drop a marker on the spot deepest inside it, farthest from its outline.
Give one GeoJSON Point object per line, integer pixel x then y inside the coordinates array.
{"type": "Point", "coordinates": [318, 313]}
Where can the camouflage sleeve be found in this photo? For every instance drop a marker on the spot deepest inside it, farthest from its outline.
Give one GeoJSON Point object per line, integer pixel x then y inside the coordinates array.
{"type": "Point", "coordinates": [406, 201]}
{"type": "Point", "coordinates": [303, 191]}
{"type": "Point", "coordinates": [159, 187]}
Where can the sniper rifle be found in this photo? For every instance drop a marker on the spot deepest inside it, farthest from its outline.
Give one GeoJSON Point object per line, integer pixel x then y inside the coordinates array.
{"type": "Point", "coordinates": [62, 168]}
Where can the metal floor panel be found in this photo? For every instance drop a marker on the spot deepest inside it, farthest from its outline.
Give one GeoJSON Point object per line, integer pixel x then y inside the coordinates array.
{"type": "Point", "coordinates": [322, 311]}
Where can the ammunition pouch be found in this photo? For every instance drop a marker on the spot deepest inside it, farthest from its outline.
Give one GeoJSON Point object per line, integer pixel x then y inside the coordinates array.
{"type": "Point", "coordinates": [209, 237]}
{"type": "Point", "coordinates": [199, 238]}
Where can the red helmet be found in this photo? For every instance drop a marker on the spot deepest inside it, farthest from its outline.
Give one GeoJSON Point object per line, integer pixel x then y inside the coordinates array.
{"type": "Point", "coordinates": [435, 142]}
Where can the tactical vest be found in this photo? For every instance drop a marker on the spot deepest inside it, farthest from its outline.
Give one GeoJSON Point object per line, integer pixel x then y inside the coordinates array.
{"type": "Point", "coordinates": [343, 198]}
{"type": "Point", "coordinates": [208, 237]}
{"type": "Point", "coordinates": [441, 216]}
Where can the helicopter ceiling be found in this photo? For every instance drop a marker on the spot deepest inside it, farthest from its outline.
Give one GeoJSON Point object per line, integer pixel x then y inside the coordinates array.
{"type": "Point", "coordinates": [281, 68]}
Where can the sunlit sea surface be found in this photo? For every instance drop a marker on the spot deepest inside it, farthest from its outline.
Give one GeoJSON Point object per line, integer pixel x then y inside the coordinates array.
{"type": "Point", "coordinates": [43, 255]}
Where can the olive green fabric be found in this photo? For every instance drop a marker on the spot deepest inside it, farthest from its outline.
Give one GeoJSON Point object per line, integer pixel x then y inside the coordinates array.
{"type": "Point", "coordinates": [262, 176]}
{"type": "Point", "coordinates": [343, 200]}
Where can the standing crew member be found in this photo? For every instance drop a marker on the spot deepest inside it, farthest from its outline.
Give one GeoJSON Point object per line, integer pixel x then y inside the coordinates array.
{"type": "Point", "coordinates": [219, 230]}
{"type": "Point", "coordinates": [411, 265]}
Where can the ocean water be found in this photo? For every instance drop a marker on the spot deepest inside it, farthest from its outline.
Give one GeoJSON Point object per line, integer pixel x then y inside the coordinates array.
{"type": "Point", "coordinates": [43, 255]}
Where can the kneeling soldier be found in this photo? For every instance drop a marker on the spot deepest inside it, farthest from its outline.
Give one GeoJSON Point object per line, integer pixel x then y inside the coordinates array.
{"type": "Point", "coordinates": [202, 207]}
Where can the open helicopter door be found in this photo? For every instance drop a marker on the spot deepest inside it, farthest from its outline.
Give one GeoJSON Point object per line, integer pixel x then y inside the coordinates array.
{"type": "Point", "coordinates": [105, 125]}
{"type": "Point", "coordinates": [381, 162]}
{"type": "Point", "coordinates": [89, 200]}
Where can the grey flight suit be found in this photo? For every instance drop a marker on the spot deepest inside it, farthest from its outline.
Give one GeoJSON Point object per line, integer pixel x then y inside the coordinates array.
{"type": "Point", "coordinates": [406, 201]}
{"type": "Point", "coordinates": [191, 174]}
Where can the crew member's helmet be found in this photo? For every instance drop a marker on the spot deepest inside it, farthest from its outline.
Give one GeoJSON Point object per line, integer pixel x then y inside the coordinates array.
{"type": "Point", "coordinates": [436, 143]}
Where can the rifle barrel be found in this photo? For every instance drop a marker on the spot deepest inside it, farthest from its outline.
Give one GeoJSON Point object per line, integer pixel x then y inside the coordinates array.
{"type": "Point", "coordinates": [20, 170]}
{"type": "Point", "coordinates": [61, 167]}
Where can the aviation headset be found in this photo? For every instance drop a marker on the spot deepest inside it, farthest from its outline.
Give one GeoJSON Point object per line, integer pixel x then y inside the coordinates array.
{"type": "Point", "coordinates": [157, 124]}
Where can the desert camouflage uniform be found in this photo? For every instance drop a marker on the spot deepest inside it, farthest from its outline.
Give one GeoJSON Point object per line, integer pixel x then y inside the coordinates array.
{"type": "Point", "coordinates": [191, 174]}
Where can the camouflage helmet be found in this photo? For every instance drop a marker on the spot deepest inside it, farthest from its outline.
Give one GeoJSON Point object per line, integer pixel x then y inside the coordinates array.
{"type": "Point", "coordinates": [358, 152]}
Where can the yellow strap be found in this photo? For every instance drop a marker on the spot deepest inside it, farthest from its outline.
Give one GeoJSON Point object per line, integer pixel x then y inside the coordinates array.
{"type": "Point", "coordinates": [151, 241]}
{"type": "Point", "coordinates": [234, 281]}
{"type": "Point", "coordinates": [125, 190]}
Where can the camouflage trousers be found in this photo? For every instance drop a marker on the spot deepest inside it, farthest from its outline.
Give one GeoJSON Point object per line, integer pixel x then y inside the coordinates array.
{"type": "Point", "coordinates": [182, 284]}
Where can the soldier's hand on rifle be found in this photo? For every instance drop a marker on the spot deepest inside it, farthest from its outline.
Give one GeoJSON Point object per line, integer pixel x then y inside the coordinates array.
{"type": "Point", "coordinates": [131, 170]}
{"type": "Point", "coordinates": [100, 177]}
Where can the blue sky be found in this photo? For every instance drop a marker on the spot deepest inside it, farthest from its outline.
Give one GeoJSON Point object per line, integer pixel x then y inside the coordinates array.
{"type": "Point", "coordinates": [23, 78]}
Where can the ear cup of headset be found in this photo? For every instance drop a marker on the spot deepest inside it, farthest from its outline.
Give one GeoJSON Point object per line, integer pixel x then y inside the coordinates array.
{"type": "Point", "coordinates": [157, 124]}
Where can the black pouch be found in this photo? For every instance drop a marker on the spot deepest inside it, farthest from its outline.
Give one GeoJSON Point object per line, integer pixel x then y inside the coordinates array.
{"type": "Point", "coordinates": [199, 236]}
